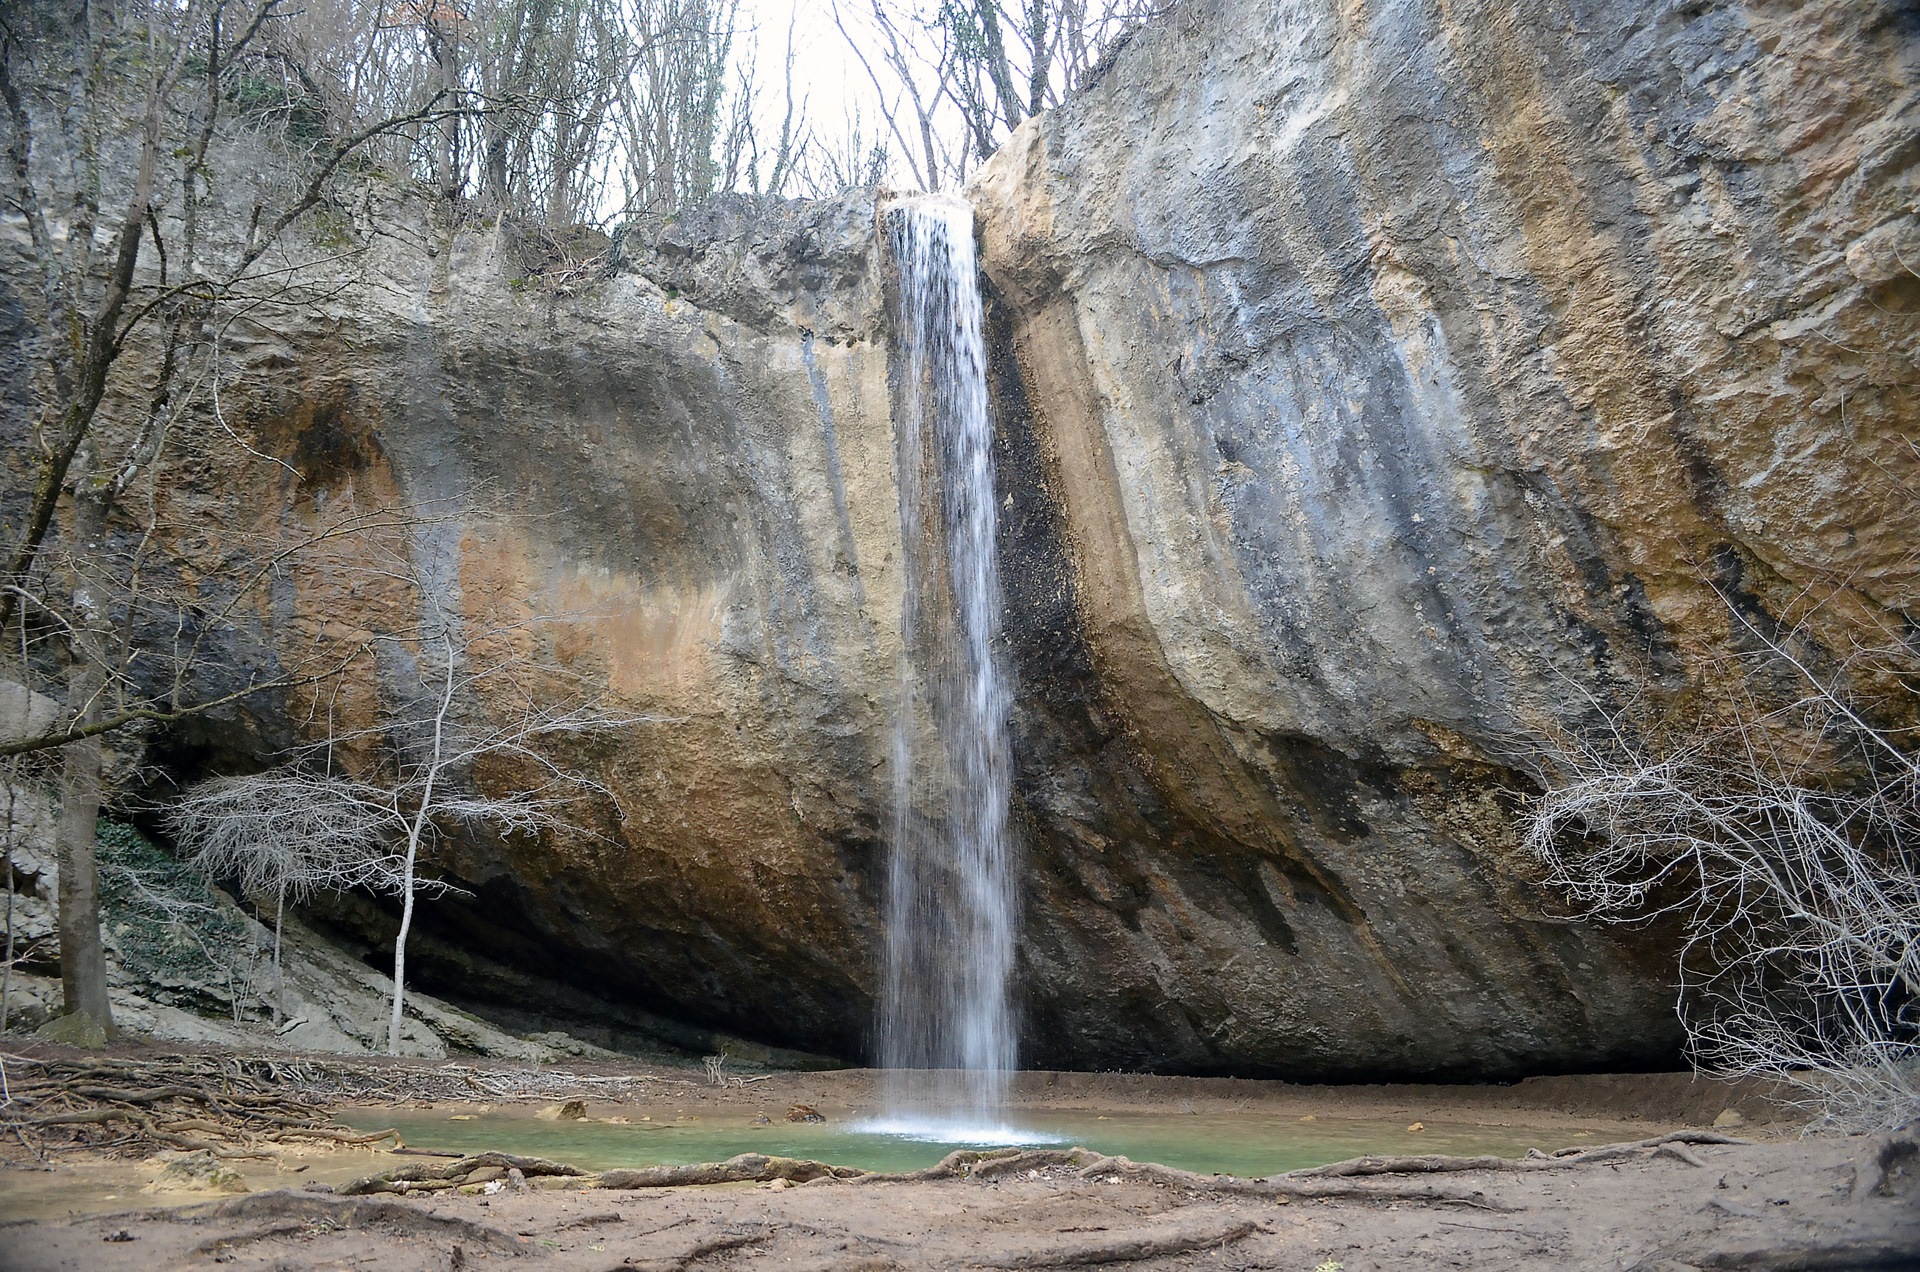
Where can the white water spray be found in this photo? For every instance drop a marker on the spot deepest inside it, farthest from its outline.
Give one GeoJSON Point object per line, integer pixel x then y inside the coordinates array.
{"type": "Point", "coordinates": [946, 1026]}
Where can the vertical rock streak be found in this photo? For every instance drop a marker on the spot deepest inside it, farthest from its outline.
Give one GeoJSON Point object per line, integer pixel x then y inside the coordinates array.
{"type": "Point", "coordinates": [946, 1031]}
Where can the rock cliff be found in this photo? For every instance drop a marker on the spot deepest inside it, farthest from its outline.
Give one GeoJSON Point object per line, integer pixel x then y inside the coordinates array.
{"type": "Point", "coordinates": [1410, 380]}
{"type": "Point", "coordinates": [1378, 386]}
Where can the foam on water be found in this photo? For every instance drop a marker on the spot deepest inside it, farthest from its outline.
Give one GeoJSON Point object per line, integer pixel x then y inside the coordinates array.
{"type": "Point", "coordinates": [934, 1130]}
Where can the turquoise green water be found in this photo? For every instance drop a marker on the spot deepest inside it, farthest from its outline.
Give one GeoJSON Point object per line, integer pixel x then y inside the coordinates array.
{"type": "Point", "coordinates": [1246, 1145]}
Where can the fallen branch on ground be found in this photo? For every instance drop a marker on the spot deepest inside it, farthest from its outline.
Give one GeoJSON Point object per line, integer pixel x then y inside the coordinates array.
{"type": "Point", "coordinates": [1007, 1163]}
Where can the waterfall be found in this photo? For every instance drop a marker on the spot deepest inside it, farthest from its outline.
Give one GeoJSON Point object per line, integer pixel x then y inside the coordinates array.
{"type": "Point", "coordinates": [946, 1027]}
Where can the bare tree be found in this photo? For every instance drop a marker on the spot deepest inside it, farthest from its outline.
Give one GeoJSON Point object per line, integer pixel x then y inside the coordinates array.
{"type": "Point", "coordinates": [285, 838]}
{"type": "Point", "coordinates": [848, 158]}
{"type": "Point", "coordinates": [954, 77]}
{"type": "Point", "coordinates": [572, 112]}
{"type": "Point", "coordinates": [370, 806]}
{"type": "Point", "coordinates": [907, 79]}
{"type": "Point", "coordinates": [673, 115]}
{"type": "Point", "coordinates": [1786, 839]}
{"type": "Point", "coordinates": [81, 170]}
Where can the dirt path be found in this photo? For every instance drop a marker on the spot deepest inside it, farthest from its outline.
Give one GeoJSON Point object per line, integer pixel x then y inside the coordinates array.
{"type": "Point", "coordinates": [1811, 1204]}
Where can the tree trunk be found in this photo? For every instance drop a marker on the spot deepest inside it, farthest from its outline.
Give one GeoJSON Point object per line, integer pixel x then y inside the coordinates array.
{"type": "Point", "coordinates": [6, 868]}
{"type": "Point", "coordinates": [999, 70]}
{"type": "Point", "coordinates": [400, 948]}
{"type": "Point", "coordinates": [1037, 36]}
{"type": "Point", "coordinates": [279, 986]}
{"type": "Point", "coordinates": [447, 150]}
{"type": "Point", "coordinates": [83, 959]}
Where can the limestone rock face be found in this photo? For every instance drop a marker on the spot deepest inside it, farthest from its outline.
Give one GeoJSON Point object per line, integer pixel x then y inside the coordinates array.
{"type": "Point", "coordinates": [1379, 387]}
{"type": "Point", "coordinates": [1407, 382]}
{"type": "Point", "coordinates": [685, 471]}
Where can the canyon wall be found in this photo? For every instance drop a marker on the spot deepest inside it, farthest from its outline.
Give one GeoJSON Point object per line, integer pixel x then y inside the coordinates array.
{"type": "Point", "coordinates": [1381, 389]}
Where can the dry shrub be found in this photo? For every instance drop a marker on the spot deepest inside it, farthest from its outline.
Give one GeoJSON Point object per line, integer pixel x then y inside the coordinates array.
{"type": "Point", "coordinates": [1781, 824]}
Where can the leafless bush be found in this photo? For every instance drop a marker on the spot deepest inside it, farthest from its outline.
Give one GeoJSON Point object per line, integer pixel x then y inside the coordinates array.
{"type": "Point", "coordinates": [367, 806]}
{"type": "Point", "coordinates": [1786, 839]}
{"type": "Point", "coordinates": [284, 836]}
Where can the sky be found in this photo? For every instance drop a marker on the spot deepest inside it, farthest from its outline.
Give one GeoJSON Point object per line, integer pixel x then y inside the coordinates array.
{"type": "Point", "coordinates": [825, 71]}
{"type": "Point", "coordinates": [824, 68]}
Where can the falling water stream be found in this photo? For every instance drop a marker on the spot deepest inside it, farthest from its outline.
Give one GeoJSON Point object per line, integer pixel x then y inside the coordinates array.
{"type": "Point", "coordinates": [946, 1027]}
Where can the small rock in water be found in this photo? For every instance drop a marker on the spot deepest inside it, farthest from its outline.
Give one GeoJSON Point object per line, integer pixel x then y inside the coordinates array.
{"type": "Point", "coordinates": [1418, 1126]}
{"type": "Point", "coordinates": [571, 1111]}
{"type": "Point", "coordinates": [761, 1119]}
{"type": "Point", "coordinates": [804, 1113]}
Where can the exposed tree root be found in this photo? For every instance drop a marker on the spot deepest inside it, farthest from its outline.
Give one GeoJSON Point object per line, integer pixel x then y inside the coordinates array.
{"type": "Point", "coordinates": [138, 1106]}
{"type": "Point", "coordinates": [310, 1210]}
{"type": "Point", "coordinates": [1125, 1249]}
{"type": "Point", "coordinates": [1342, 1180]}
{"type": "Point", "coordinates": [704, 1248]}
{"type": "Point", "coordinates": [746, 1168]}
{"type": "Point", "coordinates": [1086, 1164]}
{"type": "Point", "coordinates": [482, 1168]}
{"type": "Point", "coordinates": [1317, 1183]}
{"type": "Point", "coordinates": [237, 1106]}
{"type": "Point", "coordinates": [1536, 1160]}
{"type": "Point", "coordinates": [1840, 1256]}
{"type": "Point", "coordinates": [348, 1138]}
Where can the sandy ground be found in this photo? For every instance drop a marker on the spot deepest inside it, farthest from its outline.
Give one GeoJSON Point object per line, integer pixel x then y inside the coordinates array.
{"type": "Point", "coordinates": [1781, 1202]}
{"type": "Point", "coordinates": [1766, 1206]}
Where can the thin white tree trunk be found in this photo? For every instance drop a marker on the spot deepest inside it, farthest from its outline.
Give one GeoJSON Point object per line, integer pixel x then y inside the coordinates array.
{"type": "Point", "coordinates": [6, 868]}
{"type": "Point", "coordinates": [279, 986]}
{"type": "Point", "coordinates": [415, 829]}
{"type": "Point", "coordinates": [400, 944]}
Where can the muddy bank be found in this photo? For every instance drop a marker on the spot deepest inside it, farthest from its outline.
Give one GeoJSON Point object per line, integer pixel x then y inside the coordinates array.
{"type": "Point", "coordinates": [617, 1116]}
{"type": "Point", "coordinates": [1820, 1203]}
{"type": "Point", "coordinates": [281, 1207]}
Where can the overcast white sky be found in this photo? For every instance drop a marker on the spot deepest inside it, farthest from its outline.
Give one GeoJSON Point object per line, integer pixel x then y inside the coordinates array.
{"type": "Point", "coordinates": [825, 71]}
{"type": "Point", "coordinates": [823, 67]}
